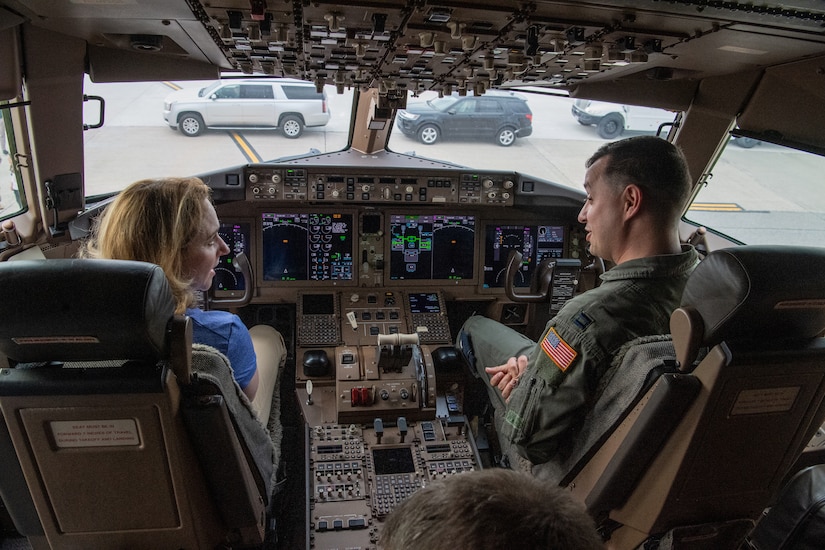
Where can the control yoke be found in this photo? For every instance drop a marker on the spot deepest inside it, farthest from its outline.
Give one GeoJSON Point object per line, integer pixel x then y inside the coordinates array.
{"type": "Point", "coordinates": [242, 263]}
{"type": "Point", "coordinates": [544, 275]}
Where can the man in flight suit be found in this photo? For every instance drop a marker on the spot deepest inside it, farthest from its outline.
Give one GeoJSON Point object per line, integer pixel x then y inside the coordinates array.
{"type": "Point", "coordinates": [636, 191]}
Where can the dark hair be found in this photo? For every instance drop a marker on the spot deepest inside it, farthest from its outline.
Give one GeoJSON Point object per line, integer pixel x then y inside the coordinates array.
{"type": "Point", "coordinates": [655, 165]}
{"type": "Point", "coordinates": [489, 510]}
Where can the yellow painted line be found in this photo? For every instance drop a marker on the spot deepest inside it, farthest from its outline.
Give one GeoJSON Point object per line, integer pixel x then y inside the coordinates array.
{"type": "Point", "coordinates": [716, 207]}
{"type": "Point", "coordinates": [172, 85]}
{"type": "Point", "coordinates": [247, 149]}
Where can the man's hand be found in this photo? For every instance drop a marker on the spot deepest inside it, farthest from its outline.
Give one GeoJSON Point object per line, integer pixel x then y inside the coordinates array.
{"type": "Point", "coordinates": [505, 377]}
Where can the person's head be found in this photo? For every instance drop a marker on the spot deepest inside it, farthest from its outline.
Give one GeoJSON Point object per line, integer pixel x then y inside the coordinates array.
{"type": "Point", "coordinates": [636, 189]}
{"type": "Point", "coordinates": [169, 222]}
{"type": "Point", "coordinates": [489, 510]}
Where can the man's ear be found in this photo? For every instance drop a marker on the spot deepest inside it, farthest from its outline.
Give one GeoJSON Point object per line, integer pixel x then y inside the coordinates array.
{"type": "Point", "coordinates": [631, 200]}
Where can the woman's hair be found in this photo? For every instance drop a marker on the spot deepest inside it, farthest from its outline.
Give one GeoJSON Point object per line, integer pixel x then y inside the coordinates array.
{"type": "Point", "coordinates": [153, 221]}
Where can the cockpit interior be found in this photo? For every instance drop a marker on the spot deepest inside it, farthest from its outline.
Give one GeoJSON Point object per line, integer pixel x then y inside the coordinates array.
{"type": "Point", "coordinates": [368, 259]}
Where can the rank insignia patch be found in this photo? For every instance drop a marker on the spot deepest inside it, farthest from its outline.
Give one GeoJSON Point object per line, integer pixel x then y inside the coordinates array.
{"type": "Point", "coordinates": [582, 320]}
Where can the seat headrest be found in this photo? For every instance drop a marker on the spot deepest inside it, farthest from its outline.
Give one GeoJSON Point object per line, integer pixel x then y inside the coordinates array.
{"type": "Point", "coordinates": [764, 293]}
{"type": "Point", "coordinates": [84, 310]}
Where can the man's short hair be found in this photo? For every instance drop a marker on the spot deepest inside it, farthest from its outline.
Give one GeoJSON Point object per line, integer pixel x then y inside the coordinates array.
{"type": "Point", "coordinates": [654, 164]}
{"type": "Point", "coordinates": [487, 510]}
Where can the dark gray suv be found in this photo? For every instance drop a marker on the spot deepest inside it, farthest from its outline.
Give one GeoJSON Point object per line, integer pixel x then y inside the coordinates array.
{"type": "Point", "coordinates": [502, 116]}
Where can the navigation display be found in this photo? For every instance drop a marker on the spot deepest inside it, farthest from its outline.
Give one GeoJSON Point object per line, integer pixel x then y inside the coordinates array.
{"type": "Point", "coordinates": [432, 247]}
{"type": "Point", "coordinates": [535, 242]}
{"type": "Point", "coordinates": [307, 247]}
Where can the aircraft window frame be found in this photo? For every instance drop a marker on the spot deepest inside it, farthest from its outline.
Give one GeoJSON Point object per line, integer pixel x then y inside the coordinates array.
{"type": "Point", "coordinates": [12, 196]}
{"type": "Point", "coordinates": [749, 191]}
{"type": "Point", "coordinates": [136, 142]}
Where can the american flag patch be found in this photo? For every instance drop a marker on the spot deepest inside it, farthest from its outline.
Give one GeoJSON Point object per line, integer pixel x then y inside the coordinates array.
{"type": "Point", "coordinates": [558, 350]}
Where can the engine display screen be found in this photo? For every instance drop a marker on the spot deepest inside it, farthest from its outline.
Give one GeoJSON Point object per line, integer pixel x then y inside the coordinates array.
{"type": "Point", "coordinates": [535, 242]}
{"type": "Point", "coordinates": [432, 247]}
{"type": "Point", "coordinates": [307, 247]}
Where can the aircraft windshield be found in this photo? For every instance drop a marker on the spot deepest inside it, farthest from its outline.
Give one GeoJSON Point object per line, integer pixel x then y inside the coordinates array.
{"type": "Point", "coordinates": [757, 193]}
{"type": "Point", "coordinates": [765, 194]}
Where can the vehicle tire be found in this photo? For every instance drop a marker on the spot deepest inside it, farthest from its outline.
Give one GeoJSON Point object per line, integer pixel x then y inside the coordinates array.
{"type": "Point", "coordinates": [191, 124]}
{"type": "Point", "coordinates": [506, 137]}
{"type": "Point", "coordinates": [610, 126]}
{"type": "Point", "coordinates": [745, 142]}
{"type": "Point", "coordinates": [292, 126]}
{"type": "Point", "coordinates": [428, 134]}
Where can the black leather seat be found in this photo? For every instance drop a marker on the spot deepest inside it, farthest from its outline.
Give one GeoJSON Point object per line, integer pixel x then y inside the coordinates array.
{"type": "Point", "coordinates": [110, 438]}
{"type": "Point", "coordinates": [695, 458]}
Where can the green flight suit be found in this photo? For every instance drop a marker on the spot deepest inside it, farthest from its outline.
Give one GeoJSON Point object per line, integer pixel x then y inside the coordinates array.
{"type": "Point", "coordinates": [635, 298]}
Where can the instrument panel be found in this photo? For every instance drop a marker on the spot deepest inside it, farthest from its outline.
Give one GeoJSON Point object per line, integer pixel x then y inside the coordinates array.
{"type": "Point", "coordinates": [352, 185]}
{"type": "Point", "coordinates": [380, 266]}
{"type": "Point", "coordinates": [319, 247]}
{"type": "Point", "coordinates": [326, 247]}
{"type": "Point", "coordinates": [306, 227]}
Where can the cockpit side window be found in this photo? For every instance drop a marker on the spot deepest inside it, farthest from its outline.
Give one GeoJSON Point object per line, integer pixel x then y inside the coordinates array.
{"type": "Point", "coordinates": [12, 200]}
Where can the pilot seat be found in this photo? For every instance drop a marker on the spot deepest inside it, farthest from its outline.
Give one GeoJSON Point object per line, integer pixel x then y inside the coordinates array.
{"type": "Point", "coordinates": [690, 440]}
{"type": "Point", "coordinates": [116, 431]}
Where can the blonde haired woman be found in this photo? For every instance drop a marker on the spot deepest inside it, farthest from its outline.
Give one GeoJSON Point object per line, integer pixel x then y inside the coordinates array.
{"type": "Point", "coordinates": [171, 222]}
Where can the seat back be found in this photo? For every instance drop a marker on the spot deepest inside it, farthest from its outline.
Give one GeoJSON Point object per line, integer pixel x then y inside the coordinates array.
{"type": "Point", "coordinates": [796, 521]}
{"type": "Point", "coordinates": [635, 368]}
{"type": "Point", "coordinates": [704, 451]}
{"type": "Point", "coordinates": [104, 417]}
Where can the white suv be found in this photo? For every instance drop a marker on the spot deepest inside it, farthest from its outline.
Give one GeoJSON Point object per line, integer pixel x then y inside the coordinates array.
{"type": "Point", "coordinates": [612, 119]}
{"type": "Point", "coordinates": [248, 104]}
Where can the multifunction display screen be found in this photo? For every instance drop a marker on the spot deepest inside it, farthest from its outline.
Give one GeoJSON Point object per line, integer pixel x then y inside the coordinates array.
{"type": "Point", "coordinates": [307, 247]}
{"type": "Point", "coordinates": [432, 247]}
{"type": "Point", "coordinates": [535, 242]}
{"type": "Point", "coordinates": [227, 275]}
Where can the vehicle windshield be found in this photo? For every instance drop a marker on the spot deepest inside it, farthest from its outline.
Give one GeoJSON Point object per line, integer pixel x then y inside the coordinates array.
{"type": "Point", "coordinates": [757, 193]}
{"type": "Point", "coordinates": [441, 103]}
